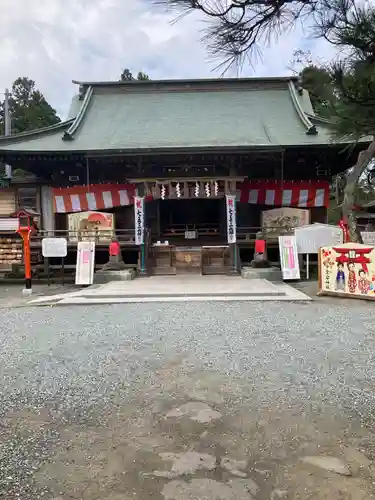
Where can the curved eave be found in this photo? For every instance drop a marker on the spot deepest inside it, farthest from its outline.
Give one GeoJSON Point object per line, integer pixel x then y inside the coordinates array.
{"type": "Point", "coordinates": [319, 119]}
{"type": "Point", "coordinates": [69, 134]}
{"type": "Point", "coordinates": [35, 134]}
{"type": "Point", "coordinates": [310, 127]}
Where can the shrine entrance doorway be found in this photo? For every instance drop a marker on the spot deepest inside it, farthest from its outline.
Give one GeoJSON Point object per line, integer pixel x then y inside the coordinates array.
{"type": "Point", "coordinates": [194, 221]}
{"type": "Point", "coordinates": [190, 237]}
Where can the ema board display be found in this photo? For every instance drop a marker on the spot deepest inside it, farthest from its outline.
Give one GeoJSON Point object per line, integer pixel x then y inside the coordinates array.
{"type": "Point", "coordinates": [91, 226]}
{"type": "Point", "coordinates": [314, 236]}
{"type": "Point", "coordinates": [347, 270]}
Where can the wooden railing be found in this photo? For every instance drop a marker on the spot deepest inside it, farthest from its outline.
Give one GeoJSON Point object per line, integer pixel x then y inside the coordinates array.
{"type": "Point", "coordinates": [124, 236]}
{"type": "Point", "coordinates": [178, 230]}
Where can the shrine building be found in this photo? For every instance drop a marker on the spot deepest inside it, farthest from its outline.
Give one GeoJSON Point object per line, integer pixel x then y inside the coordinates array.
{"type": "Point", "coordinates": [183, 145]}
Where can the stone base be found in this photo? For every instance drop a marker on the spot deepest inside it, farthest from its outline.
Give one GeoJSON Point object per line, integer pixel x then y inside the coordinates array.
{"type": "Point", "coordinates": [268, 273]}
{"type": "Point", "coordinates": [114, 264]}
{"type": "Point", "coordinates": [232, 272]}
{"type": "Point", "coordinates": [260, 264]}
{"type": "Point", "coordinates": [106, 276]}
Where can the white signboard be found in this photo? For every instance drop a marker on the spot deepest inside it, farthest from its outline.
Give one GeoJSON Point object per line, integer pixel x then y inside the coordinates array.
{"type": "Point", "coordinates": [139, 215]}
{"type": "Point", "coordinates": [85, 263]}
{"type": "Point", "coordinates": [231, 219]}
{"type": "Point", "coordinates": [289, 258]}
{"type": "Point", "coordinates": [54, 247]}
{"type": "Point", "coordinates": [368, 237]}
{"type": "Point", "coordinates": [9, 224]}
{"type": "Point", "coordinates": [190, 235]}
{"type": "Point", "coordinates": [314, 236]}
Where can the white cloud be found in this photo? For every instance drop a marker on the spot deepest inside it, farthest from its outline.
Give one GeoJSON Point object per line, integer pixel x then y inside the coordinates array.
{"type": "Point", "coordinates": [55, 41]}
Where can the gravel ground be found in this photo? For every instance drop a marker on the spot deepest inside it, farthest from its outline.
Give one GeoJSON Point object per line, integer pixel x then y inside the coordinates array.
{"type": "Point", "coordinates": [11, 295]}
{"type": "Point", "coordinates": [94, 402]}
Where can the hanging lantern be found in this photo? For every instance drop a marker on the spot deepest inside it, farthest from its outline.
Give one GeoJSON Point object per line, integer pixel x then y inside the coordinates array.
{"type": "Point", "coordinates": [216, 188]}
{"type": "Point", "coordinates": [162, 193]}
{"type": "Point", "coordinates": [178, 190]}
{"type": "Point", "coordinates": [196, 190]}
{"type": "Point", "coordinates": [207, 189]}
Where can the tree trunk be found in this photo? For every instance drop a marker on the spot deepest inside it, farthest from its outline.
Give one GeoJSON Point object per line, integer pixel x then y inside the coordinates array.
{"type": "Point", "coordinates": [352, 179]}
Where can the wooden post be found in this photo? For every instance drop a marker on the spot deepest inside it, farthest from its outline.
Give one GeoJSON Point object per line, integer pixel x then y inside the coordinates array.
{"type": "Point", "coordinates": [158, 228]}
{"type": "Point", "coordinates": [25, 234]}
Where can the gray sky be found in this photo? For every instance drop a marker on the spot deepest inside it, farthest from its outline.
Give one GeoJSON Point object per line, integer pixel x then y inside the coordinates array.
{"type": "Point", "coordinates": [56, 41]}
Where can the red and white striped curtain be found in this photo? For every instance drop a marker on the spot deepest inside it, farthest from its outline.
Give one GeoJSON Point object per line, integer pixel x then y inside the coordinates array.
{"type": "Point", "coordinates": [302, 194]}
{"type": "Point", "coordinates": [93, 197]}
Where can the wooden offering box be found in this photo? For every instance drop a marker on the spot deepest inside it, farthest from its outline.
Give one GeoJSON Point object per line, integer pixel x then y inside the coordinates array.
{"type": "Point", "coordinates": [162, 259]}
{"type": "Point", "coordinates": [189, 259]}
{"type": "Point", "coordinates": [215, 259]}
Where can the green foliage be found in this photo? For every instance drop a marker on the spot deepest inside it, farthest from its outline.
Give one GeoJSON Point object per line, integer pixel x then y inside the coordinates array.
{"type": "Point", "coordinates": [29, 109]}
{"type": "Point", "coordinates": [127, 76]}
{"type": "Point", "coordinates": [344, 91]}
{"type": "Point", "coordinates": [318, 81]}
{"type": "Point", "coordinates": [143, 76]}
{"type": "Point", "coordinates": [354, 106]}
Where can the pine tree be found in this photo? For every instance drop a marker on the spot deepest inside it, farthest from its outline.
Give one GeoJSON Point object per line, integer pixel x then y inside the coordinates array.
{"type": "Point", "coordinates": [29, 110]}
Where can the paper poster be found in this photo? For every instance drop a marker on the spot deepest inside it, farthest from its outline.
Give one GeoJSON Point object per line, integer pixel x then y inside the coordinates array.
{"type": "Point", "coordinates": [289, 258]}
{"type": "Point", "coordinates": [231, 219]}
{"type": "Point", "coordinates": [91, 226]}
{"type": "Point", "coordinates": [347, 270]}
{"type": "Point", "coordinates": [85, 263]}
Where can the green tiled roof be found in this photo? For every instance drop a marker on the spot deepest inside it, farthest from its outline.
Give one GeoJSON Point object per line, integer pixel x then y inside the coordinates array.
{"type": "Point", "coordinates": [169, 115]}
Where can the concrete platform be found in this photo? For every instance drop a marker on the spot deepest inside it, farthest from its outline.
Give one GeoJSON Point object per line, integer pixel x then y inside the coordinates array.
{"type": "Point", "coordinates": [178, 289]}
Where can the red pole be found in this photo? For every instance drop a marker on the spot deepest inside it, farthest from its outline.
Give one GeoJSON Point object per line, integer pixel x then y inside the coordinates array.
{"type": "Point", "coordinates": [26, 257]}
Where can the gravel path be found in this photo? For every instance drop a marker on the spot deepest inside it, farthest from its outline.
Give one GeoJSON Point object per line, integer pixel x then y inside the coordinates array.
{"type": "Point", "coordinates": [94, 401]}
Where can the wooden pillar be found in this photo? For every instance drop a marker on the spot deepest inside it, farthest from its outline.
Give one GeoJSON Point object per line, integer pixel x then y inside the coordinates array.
{"type": "Point", "coordinates": [158, 228]}
{"type": "Point", "coordinates": [48, 216]}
